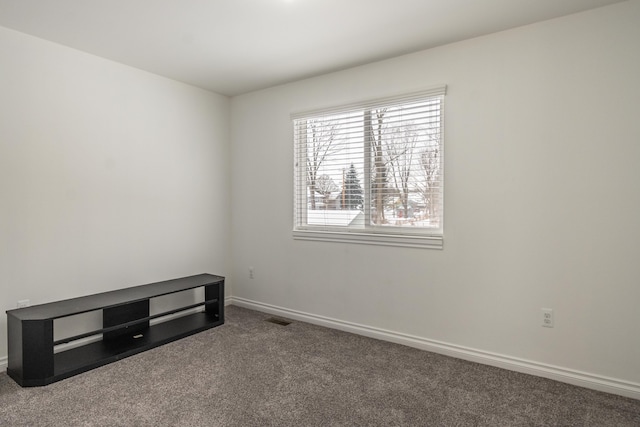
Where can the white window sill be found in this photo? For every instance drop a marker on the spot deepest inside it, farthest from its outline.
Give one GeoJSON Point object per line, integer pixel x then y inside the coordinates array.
{"type": "Point", "coordinates": [402, 240]}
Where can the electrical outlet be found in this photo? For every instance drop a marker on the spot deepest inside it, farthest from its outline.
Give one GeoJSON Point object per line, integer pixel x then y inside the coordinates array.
{"type": "Point", "coordinates": [250, 272]}
{"type": "Point", "coordinates": [547, 317]}
{"type": "Point", "coordinates": [23, 303]}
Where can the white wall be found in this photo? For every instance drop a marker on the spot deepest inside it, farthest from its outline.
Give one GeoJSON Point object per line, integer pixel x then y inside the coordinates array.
{"type": "Point", "coordinates": [109, 176]}
{"type": "Point", "coordinates": [542, 202]}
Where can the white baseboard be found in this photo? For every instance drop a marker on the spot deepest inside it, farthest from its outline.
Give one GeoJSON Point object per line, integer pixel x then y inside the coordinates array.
{"type": "Point", "coordinates": [570, 376]}
{"type": "Point", "coordinates": [3, 363]}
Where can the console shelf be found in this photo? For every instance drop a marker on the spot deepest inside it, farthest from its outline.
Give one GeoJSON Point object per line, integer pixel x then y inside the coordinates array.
{"type": "Point", "coordinates": [126, 328]}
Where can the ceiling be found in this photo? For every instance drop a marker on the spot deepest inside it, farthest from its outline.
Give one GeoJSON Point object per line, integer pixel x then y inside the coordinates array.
{"type": "Point", "coordinates": [237, 46]}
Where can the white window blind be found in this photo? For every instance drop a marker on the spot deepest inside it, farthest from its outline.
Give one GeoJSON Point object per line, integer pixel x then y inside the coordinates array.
{"type": "Point", "coordinates": [371, 172]}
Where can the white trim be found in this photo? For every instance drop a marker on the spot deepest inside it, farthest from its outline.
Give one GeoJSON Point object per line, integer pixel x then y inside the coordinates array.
{"type": "Point", "coordinates": [402, 240]}
{"type": "Point", "coordinates": [77, 343]}
{"type": "Point", "coordinates": [433, 91]}
{"type": "Point", "coordinates": [557, 373]}
{"type": "Point", "coordinates": [3, 363]}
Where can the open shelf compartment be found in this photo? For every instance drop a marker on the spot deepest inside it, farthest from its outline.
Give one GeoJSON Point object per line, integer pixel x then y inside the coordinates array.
{"type": "Point", "coordinates": [80, 359]}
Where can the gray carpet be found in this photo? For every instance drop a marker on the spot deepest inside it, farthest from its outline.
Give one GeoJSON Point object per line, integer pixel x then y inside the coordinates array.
{"type": "Point", "coordinates": [249, 372]}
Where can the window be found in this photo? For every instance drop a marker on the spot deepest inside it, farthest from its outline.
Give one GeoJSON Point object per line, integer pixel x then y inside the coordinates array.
{"type": "Point", "coordinates": [371, 172]}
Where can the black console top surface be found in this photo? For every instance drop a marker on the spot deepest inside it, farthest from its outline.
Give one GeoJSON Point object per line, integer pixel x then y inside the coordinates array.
{"type": "Point", "coordinates": [117, 297]}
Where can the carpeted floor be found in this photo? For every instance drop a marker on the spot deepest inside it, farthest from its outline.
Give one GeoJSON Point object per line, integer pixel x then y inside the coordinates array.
{"type": "Point", "coordinates": [249, 372]}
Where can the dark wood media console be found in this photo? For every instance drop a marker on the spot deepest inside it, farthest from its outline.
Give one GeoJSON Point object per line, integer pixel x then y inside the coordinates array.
{"type": "Point", "coordinates": [126, 328]}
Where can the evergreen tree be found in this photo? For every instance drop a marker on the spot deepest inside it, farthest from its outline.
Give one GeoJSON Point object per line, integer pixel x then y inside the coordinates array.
{"type": "Point", "coordinates": [352, 191]}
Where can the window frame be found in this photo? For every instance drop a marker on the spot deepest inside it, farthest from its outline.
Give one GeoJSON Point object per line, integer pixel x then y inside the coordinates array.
{"type": "Point", "coordinates": [383, 235]}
